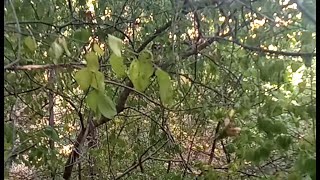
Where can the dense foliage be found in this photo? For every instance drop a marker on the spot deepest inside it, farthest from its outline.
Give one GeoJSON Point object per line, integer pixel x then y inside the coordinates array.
{"type": "Point", "coordinates": [159, 89]}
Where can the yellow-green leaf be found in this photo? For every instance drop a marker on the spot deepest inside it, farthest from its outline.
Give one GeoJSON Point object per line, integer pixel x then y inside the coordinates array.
{"type": "Point", "coordinates": [147, 55]}
{"type": "Point", "coordinates": [118, 66]}
{"type": "Point", "coordinates": [92, 100]}
{"type": "Point", "coordinates": [302, 86]}
{"type": "Point", "coordinates": [145, 63]}
{"type": "Point", "coordinates": [84, 78]}
{"type": "Point", "coordinates": [63, 43]}
{"type": "Point", "coordinates": [140, 72]}
{"type": "Point", "coordinates": [134, 74]}
{"type": "Point", "coordinates": [115, 44]}
{"type": "Point", "coordinates": [98, 50]}
{"type": "Point", "coordinates": [98, 81]}
{"type": "Point", "coordinates": [106, 106]}
{"type": "Point", "coordinates": [30, 44]}
{"type": "Point", "coordinates": [55, 51]}
{"type": "Point", "coordinates": [165, 87]}
{"type": "Point", "coordinates": [92, 61]}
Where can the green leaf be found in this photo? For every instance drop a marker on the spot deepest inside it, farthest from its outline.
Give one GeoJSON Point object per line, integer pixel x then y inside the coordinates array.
{"type": "Point", "coordinates": [84, 78]}
{"type": "Point", "coordinates": [264, 152]}
{"type": "Point", "coordinates": [98, 81]}
{"type": "Point", "coordinates": [51, 133]}
{"type": "Point", "coordinates": [146, 66]}
{"type": "Point", "coordinates": [307, 59]}
{"type": "Point", "coordinates": [92, 61]}
{"type": "Point", "coordinates": [8, 133]}
{"type": "Point", "coordinates": [118, 66]}
{"type": "Point", "coordinates": [251, 155]}
{"type": "Point", "coordinates": [295, 66]}
{"type": "Point", "coordinates": [30, 43]}
{"type": "Point", "coordinates": [278, 66]}
{"type": "Point", "coordinates": [82, 35]}
{"type": "Point", "coordinates": [140, 71]}
{"type": "Point", "coordinates": [165, 86]}
{"type": "Point", "coordinates": [92, 100]}
{"type": "Point", "coordinates": [55, 51]}
{"type": "Point", "coordinates": [115, 45]}
{"type": "Point", "coordinates": [265, 125]}
{"type": "Point", "coordinates": [284, 141]}
{"type": "Point", "coordinates": [146, 55]}
{"type": "Point", "coordinates": [307, 45]}
{"type": "Point", "coordinates": [106, 106]}
{"type": "Point", "coordinates": [310, 167]}
{"type": "Point", "coordinates": [153, 132]}
{"type": "Point", "coordinates": [98, 50]}
{"type": "Point", "coordinates": [279, 127]}
{"type": "Point", "coordinates": [302, 86]}
{"type": "Point", "coordinates": [230, 148]}
{"type": "Point", "coordinates": [293, 176]}
{"type": "Point", "coordinates": [134, 74]}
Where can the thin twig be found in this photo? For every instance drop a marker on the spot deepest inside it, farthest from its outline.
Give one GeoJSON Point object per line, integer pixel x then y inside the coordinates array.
{"type": "Point", "coordinates": [19, 38]}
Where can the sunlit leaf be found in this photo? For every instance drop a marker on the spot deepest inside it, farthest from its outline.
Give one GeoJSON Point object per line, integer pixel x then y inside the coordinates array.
{"type": "Point", "coordinates": [30, 43]}
{"type": "Point", "coordinates": [63, 43]}
{"type": "Point", "coordinates": [92, 100]}
{"type": "Point", "coordinates": [118, 66]}
{"type": "Point", "coordinates": [98, 50]}
{"type": "Point", "coordinates": [134, 74]}
{"type": "Point", "coordinates": [165, 86]}
{"type": "Point", "coordinates": [106, 106]}
{"type": "Point", "coordinates": [145, 63]}
{"type": "Point", "coordinates": [55, 51]}
{"type": "Point", "coordinates": [98, 81]}
{"type": "Point", "coordinates": [115, 44]}
{"type": "Point", "coordinates": [140, 71]}
{"type": "Point", "coordinates": [92, 61]}
{"type": "Point", "coordinates": [146, 55]}
{"type": "Point", "coordinates": [84, 78]}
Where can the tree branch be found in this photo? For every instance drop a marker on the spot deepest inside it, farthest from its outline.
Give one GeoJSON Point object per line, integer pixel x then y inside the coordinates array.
{"type": "Point", "coordinates": [120, 106]}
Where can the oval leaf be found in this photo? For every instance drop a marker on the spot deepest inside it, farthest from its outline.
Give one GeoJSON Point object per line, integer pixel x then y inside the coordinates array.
{"type": "Point", "coordinates": [51, 133]}
{"type": "Point", "coordinates": [165, 86]}
{"type": "Point", "coordinates": [134, 74]}
{"type": "Point", "coordinates": [55, 51]}
{"type": "Point", "coordinates": [140, 72]}
{"type": "Point", "coordinates": [115, 44]}
{"type": "Point", "coordinates": [84, 78]}
{"type": "Point", "coordinates": [63, 43]}
{"type": "Point", "coordinates": [98, 81]}
{"type": "Point", "coordinates": [118, 66]}
{"type": "Point", "coordinates": [106, 106]}
{"type": "Point", "coordinates": [82, 35]}
{"type": "Point", "coordinates": [92, 61]}
{"type": "Point", "coordinates": [92, 100]}
{"type": "Point", "coordinates": [30, 44]}
{"type": "Point", "coordinates": [146, 55]}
